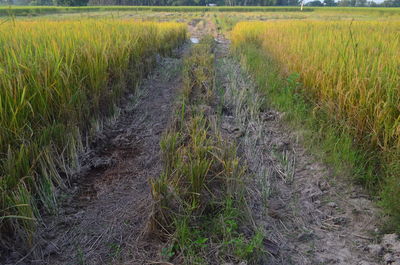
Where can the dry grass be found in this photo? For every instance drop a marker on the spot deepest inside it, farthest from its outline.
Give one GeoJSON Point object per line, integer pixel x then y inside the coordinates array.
{"type": "Point", "coordinates": [199, 197]}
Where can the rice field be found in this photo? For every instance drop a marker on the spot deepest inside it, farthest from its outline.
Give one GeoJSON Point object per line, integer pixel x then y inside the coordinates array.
{"type": "Point", "coordinates": [64, 74]}
{"type": "Point", "coordinates": [349, 70]}
{"type": "Point", "coordinates": [57, 79]}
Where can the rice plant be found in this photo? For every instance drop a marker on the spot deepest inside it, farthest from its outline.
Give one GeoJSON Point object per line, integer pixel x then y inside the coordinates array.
{"type": "Point", "coordinates": [57, 78]}
{"type": "Point", "coordinates": [350, 71]}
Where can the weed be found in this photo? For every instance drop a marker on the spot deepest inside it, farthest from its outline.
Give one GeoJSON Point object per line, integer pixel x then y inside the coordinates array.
{"type": "Point", "coordinates": [199, 196]}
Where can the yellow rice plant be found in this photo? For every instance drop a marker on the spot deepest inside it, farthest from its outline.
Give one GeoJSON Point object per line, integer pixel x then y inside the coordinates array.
{"type": "Point", "coordinates": [56, 78]}
{"type": "Point", "coordinates": [351, 70]}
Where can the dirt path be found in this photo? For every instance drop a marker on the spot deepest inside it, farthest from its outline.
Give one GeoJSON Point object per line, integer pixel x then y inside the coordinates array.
{"type": "Point", "coordinates": [199, 27]}
{"type": "Point", "coordinates": [105, 213]}
{"type": "Point", "coordinates": [308, 215]}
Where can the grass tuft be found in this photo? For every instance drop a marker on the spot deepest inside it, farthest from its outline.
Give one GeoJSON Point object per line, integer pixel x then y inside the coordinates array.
{"type": "Point", "coordinates": [199, 197]}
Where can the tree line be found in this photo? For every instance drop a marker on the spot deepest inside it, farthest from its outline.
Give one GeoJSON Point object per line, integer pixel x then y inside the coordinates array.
{"type": "Point", "coordinates": [355, 3]}
{"type": "Point", "coordinates": [360, 3]}
{"type": "Point", "coordinates": [155, 2]}
{"type": "Point", "coordinates": [200, 2]}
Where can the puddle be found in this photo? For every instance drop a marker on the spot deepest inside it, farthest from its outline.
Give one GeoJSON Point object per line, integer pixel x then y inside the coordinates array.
{"type": "Point", "coordinates": [194, 40]}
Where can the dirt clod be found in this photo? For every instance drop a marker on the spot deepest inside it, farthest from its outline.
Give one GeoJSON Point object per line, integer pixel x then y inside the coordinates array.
{"type": "Point", "coordinates": [375, 249]}
{"type": "Point", "coordinates": [391, 246]}
{"type": "Point", "coordinates": [332, 204]}
{"type": "Point", "coordinates": [389, 258]}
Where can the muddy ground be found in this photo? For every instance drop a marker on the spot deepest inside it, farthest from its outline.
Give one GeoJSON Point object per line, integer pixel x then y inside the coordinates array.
{"type": "Point", "coordinates": [307, 214]}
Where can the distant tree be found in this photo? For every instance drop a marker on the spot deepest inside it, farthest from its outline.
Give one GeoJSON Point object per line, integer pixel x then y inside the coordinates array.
{"type": "Point", "coordinates": [314, 3]}
{"type": "Point", "coordinates": [294, 2]}
{"type": "Point", "coordinates": [268, 2]}
{"type": "Point", "coordinates": [42, 3]}
{"type": "Point", "coordinates": [391, 3]}
{"type": "Point", "coordinates": [330, 3]}
{"type": "Point", "coordinates": [372, 4]}
{"type": "Point", "coordinates": [72, 2]}
{"type": "Point", "coordinates": [6, 2]}
{"type": "Point", "coordinates": [344, 3]}
{"type": "Point", "coordinates": [361, 3]}
{"type": "Point", "coordinates": [287, 2]}
{"type": "Point", "coordinates": [21, 2]}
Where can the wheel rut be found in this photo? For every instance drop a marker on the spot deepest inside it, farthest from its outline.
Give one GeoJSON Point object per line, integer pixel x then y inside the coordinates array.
{"type": "Point", "coordinates": [308, 215]}
{"type": "Point", "coordinates": [105, 212]}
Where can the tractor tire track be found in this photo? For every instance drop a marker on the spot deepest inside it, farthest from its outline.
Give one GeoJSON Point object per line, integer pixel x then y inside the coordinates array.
{"type": "Point", "coordinates": [308, 215]}
{"type": "Point", "coordinates": [102, 218]}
